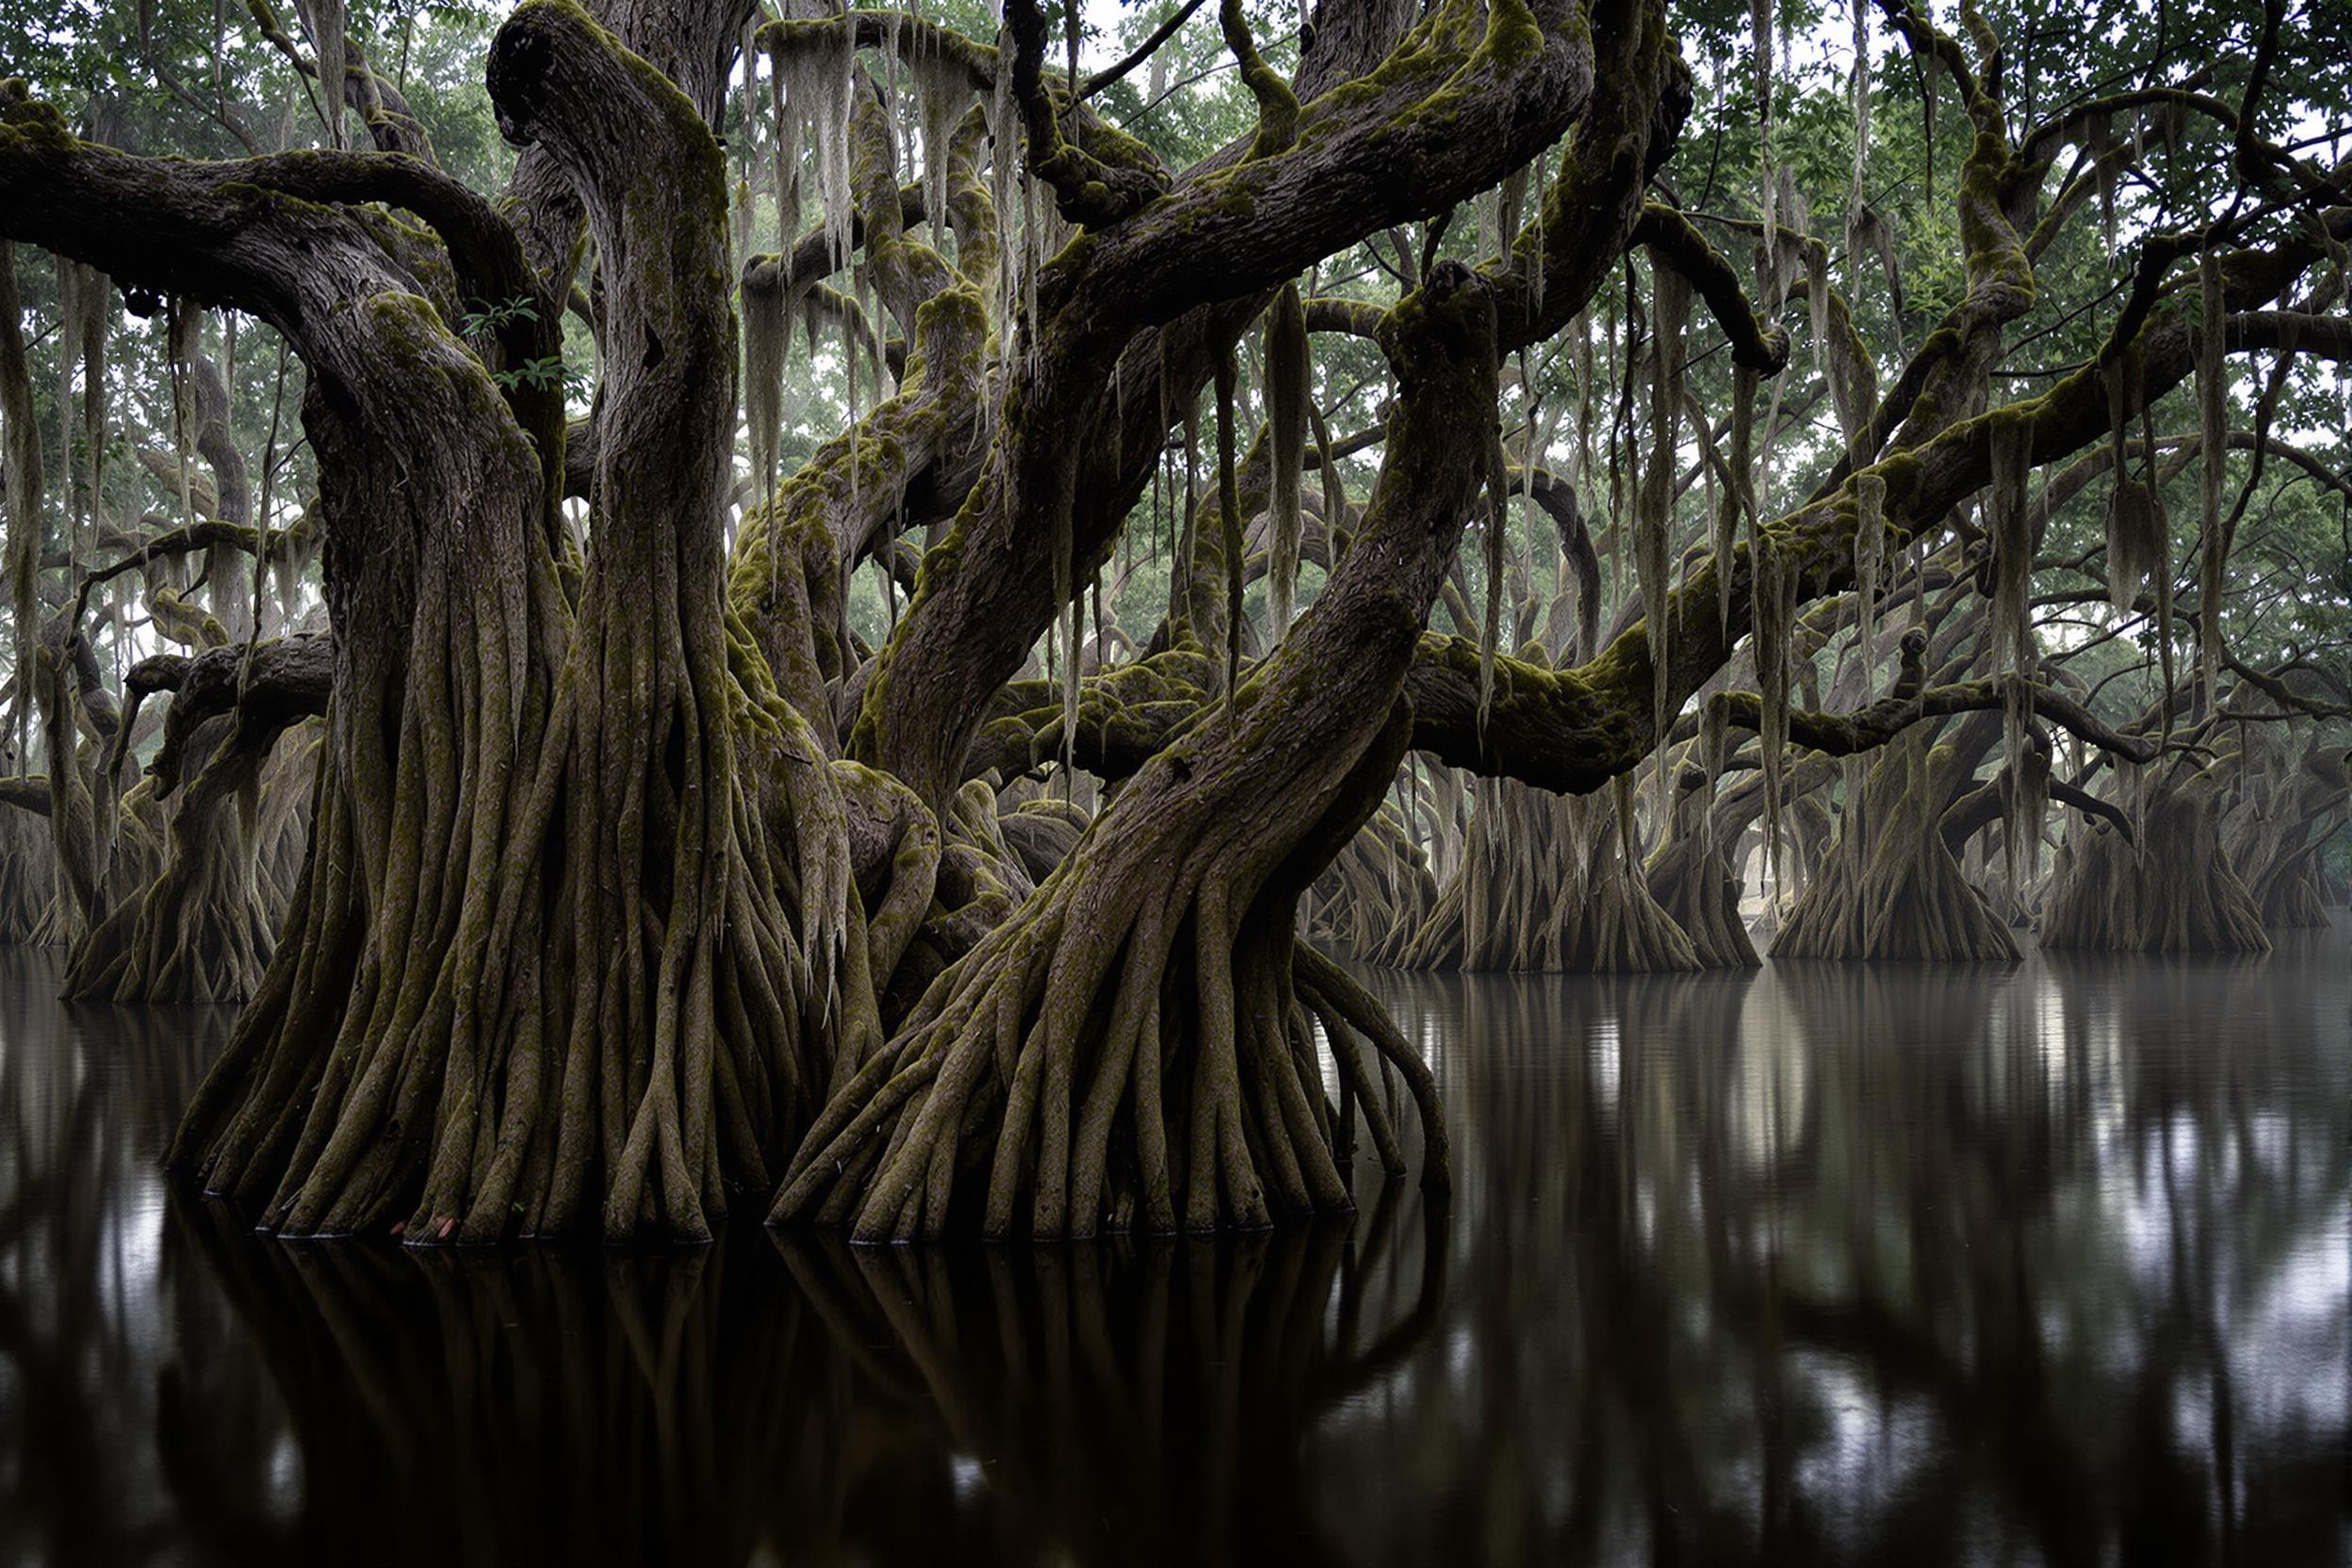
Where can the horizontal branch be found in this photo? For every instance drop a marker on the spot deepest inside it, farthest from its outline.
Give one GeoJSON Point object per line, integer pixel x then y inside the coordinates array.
{"type": "Point", "coordinates": [1670, 235]}
{"type": "Point", "coordinates": [286, 681]}
{"type": "Point", "coordinates": [1867, 729]}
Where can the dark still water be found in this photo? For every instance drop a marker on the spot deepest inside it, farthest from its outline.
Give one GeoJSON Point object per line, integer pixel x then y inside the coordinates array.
{"type": "Point", "coordinates": [1831, 1265]}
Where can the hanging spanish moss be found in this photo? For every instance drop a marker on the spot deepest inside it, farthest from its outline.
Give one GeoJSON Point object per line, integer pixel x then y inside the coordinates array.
{"type": "Point", "coordinates": [817, 76]}
{"type": "Point", "coordinates": [2098, 140]}
{"type": "Point", "coordinates": [183, 333]}
{"type": "Point", "coordinates": [20, 454]}
{"type": "Point", "coordinates": [70, 292]}
{"type": "Point", "coordinates": [2213, 458]}
{"type": "Point", "coordinates": [1869, 550]}
{"type": "Point", "coordinates": [1738, 497]}
{"type": "Point", "coordinates": [767, 343]}
{"type": "Point", "coordinates": [95, 295]}
{"type": "Point", "coordinates": [1229, 515]}
{"type": "Point", "coordinates": [2010, 647]}
{"type": "Point", "coordinates": [2024, 786]}
{"type": "Point", "coordinates": [1852, 376]}
{"type": "Point", "coordinates": [2012, 546]}
{"type": "Point", "coordinates": [1774, 592]}
{"type": "Point", "coordinates": [324, 20]}
{"type": "Point", "coordinates": [2136, 530]}
{"type": "Point", "coordinates": [1760, 41]}
{"type": "Point", "coordinates": [1492, 547]}
{"type": "Point", "coordinates": [1287, 391]}
{"type": "Point", "coordinates": [1857, 190]}
{"type": "Point", "coordinates": [1670, 313]}
{"type": "Point", "coordinates": [941, 91]}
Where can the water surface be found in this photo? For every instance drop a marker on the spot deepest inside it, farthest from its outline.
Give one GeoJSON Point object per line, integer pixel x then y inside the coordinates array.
{"type": "Point", "coordinates": [1835, 1264]}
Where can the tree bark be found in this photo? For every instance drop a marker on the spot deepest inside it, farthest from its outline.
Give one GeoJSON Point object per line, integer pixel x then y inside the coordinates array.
{"type": "Point", "coordinates": [1130, 1048]}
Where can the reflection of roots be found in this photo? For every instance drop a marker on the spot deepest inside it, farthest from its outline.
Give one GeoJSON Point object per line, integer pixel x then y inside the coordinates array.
{"type": "Point", "coordinates": [750, 1401]}
{"type": "Point", "coordinates": [1204, 1361]}
{"type": "Point", "coordinates": [540, 1403]}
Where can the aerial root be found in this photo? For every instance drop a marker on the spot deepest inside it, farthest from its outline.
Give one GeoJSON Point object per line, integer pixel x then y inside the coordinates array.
{"type": "Point", "coordinates": [1157, 1074]}
{"type": "Point", "coordinates": [595, 995]}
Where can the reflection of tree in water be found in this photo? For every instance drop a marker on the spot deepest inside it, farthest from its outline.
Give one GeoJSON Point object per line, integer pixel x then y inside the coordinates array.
{"type": "Point", "coordinates": [1901, 1264]}
{"type": "Point", "coordinates": [1143, 1400]}
{"type": "Point", "coordinates": [786, 1400]}
{"type": "Point", "coordinates": [534, 1403]}
{"type": "Point", "coordinates": [1831, 1265]}
{"type": "Point", "coordinates": [88, 1098]}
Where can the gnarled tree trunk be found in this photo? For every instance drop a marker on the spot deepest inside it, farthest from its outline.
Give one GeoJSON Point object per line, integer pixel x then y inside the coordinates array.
{"type": "Point", "coordinates": [1133, 1047]}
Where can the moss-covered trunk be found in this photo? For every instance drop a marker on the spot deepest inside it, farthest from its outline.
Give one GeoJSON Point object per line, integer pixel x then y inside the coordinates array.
{"type": "Point", "coordinates": [1133, 1046]}
{"type": "Point", "coordinates": [575, 922]}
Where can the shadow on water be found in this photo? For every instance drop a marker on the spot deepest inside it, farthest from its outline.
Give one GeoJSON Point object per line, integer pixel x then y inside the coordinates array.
{"type": "Point", "coordinates": [1832, 1264]}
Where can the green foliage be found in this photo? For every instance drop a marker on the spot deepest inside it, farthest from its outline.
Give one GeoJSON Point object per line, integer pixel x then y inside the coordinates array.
{"type": "Point", "coordinates": [486, 320]}
{"type": "Point", "coordinates": [549, 371]}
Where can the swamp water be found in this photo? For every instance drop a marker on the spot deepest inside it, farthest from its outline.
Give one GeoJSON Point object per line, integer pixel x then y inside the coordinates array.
{"type": "Point", "coordinates": [1832, 1264]}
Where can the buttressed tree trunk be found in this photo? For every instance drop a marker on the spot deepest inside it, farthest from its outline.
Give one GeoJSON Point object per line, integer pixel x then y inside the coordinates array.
{"type": "Point", "coordinates": [2171, 889]}
{"type": "Point", "coordinates": [1692, 879]}
{"type": "Point", "coordinates": [202, 927]}
{"type": "Point", "coordinates": [573, 923]}
{"type": "Point", "coordinates": [1133, 1046]}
